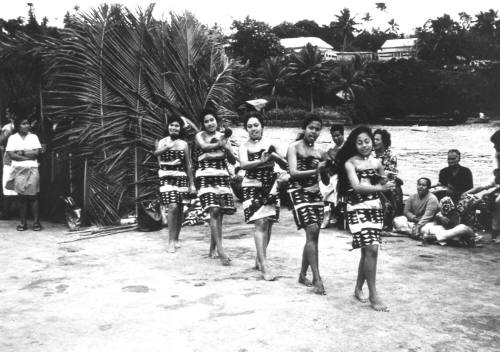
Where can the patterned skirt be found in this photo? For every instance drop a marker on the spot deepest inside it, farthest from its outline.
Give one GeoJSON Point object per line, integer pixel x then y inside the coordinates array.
{"type": "Point", "coordinates": [173, 186]}
{"type": "Point", "coordinates": [214, 188]}
{"type": "Point", "coordinates": [260, 195]}
{"type": "Point", "coordinates": [365, 218]}
{"type": "Point", "coordinates": [308, 206]}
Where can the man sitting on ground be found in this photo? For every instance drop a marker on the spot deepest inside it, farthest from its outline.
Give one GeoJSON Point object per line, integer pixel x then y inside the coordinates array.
{"type": "Point", "coordinates": [420, 209]}
{"type": "Point", "coordinates": [455, 178]}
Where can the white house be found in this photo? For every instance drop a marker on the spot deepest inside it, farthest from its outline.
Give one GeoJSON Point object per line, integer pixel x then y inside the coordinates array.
{"type": "Point", "coordinates": [397, 49]}
{"type": "Point", "coordinates": [297, 44]}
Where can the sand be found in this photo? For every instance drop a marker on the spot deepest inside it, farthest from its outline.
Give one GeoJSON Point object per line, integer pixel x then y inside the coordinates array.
{"type": "Point", "coordinates": [126, 293]}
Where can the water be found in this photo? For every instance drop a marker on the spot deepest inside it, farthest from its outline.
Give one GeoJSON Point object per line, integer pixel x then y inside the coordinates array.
{"type": "Point", "coordinates": [420, 154]}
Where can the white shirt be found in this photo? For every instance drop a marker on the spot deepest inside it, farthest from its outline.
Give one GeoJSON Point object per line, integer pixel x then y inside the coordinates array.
{"type": "Point", "coordinates": [29, 142]}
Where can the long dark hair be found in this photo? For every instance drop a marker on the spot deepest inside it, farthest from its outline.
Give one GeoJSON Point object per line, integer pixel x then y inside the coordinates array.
{"type": "Point", "coordinates": [180, 121]}
{"type": "Point", "coordinates": [347, 151]}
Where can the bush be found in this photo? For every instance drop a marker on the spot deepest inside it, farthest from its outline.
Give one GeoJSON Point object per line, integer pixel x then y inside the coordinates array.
{"type": "Point", "coordinates": [293, 117]}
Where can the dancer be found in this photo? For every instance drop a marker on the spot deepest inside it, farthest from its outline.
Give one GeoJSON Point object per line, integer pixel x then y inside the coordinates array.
{"type": "Point", "coordinates": [260, 191]}
{"type": "Point", "coordinates": [176, 177]}
{"type": "Point", "coordinates": [305, 163]}
{"type": "Point", "coordinates": [213, 179]}
{"type": "Point", "coordinates": [360, 180]}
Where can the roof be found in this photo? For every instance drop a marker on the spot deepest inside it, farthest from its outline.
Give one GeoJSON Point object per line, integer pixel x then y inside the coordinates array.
{"type": "Point", "coordinates": [396, 43]}
{"type": "Point", "coordinates": [302, 41]}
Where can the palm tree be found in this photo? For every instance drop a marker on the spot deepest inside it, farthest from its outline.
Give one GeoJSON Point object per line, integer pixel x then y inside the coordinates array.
{"type": "Point", "coordinates": [350, 80]}
{"type": "Point", "coordinates": [393, 27]}
{"type": "Point", "coordinates": [345, 25]}
{"type": "Point", "coordinates": [307, 68]}
{"type": "Point", "coordinates": [271, 77]}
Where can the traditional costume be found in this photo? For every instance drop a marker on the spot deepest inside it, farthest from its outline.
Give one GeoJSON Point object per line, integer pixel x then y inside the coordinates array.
{"type": "Point", "coordinates": [260, 192]}
{"type": "Point", "coordinates": [308, 206]}
{"type": "Point", "coordinates": [173, 176]}
{"type": "Point", "coordinates": [213, 183]}
{"type": "Point", "coordinates": [364, 213]}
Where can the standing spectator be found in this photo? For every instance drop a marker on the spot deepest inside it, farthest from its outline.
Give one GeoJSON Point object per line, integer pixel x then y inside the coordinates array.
{"type": "Point", "coordinates": [329, 184]}
{"type": "Point", "coordinates": [24, 148]}
{"type": "Point", "coordinates": [7, 194]}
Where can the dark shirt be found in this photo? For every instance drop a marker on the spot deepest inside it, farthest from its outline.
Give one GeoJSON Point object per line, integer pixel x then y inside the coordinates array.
{"type": "Point", "coordinates": [462, 181]}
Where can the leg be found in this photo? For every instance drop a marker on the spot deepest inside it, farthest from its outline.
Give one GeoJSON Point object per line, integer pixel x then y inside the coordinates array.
{"type": "Point", "coordinates": [311, 254]}
{"type": "Point", "coordinates": [23, 208]}
{"type": "Point", "coordinates": [173, 225]}
{"type": "Point", "coordinates": [360, 281]}
{"type": "Point", "coordinates": [495, 221]}
{"type": "Point", "coordinates": [370, 272]}
{"type": "Point", "coordinates": [180, 216]}
{"type": "Point", "coordinates": [216, 233]}
{"type": "Point", "coordinates": [261, 241]}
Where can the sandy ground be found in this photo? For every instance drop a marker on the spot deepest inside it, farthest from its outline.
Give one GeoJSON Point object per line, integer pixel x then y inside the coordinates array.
{"type": "Point", "coordinates": [125, 293]}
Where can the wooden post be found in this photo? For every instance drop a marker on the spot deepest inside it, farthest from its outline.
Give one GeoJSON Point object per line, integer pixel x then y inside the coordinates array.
{"type": "Point", "coordinates": [85, 189]}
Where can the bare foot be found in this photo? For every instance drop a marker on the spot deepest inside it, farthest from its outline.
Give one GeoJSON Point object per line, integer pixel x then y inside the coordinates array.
{"type": "Point", "coordinates": [377, 305]}
{"type": "Point", "coordinates": [360, 296]}
{"type": "Point", "coordinates": [304, 280]}
{"type": "Point", "coordinates": [268, 276]}
{"type": "Point", "coordinates": [257, 265]}
{"type": "Point", "coordinates": [177, 244]}
{"type": "Point", "coordinates": [171, 248]}
{"type": "Point", "coordinates": [319, 289]}
{"type": "Point", "coordinates": [226, 261]}
{"type": "Point", "coordinates": [213, 255]}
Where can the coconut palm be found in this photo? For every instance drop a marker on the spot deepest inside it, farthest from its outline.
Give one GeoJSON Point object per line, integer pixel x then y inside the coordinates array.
{"type": "Point", "coordinates": [393, 27]}
{"type": "Point", "coordinates": [306, 67]}
{"type": "Point", "coordinates": [349, 80]}
{"type": "Point", "coordinates": [271, 76]}
{"type": "Point", "coordinates": [345, 25]}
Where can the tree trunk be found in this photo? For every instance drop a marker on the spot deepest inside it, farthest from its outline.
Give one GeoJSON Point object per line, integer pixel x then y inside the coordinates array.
{"type": "Point", "coordinates": [311, 98]}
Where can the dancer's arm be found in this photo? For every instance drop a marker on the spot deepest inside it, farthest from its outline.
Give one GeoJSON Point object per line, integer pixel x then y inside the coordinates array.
{"type": "Point", "coordinates": [292, 164]}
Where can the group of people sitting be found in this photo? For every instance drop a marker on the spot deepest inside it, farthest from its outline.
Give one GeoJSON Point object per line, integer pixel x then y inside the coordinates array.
{"type": "Point", "coordinates": [446, 213]}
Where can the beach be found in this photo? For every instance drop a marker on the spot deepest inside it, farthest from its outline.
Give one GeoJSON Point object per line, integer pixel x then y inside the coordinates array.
{"type": "Point", "coordinates": [126, 293]}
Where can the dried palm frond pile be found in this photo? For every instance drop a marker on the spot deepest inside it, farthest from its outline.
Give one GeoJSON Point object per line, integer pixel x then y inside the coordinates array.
{"type": "Point", "coordinates": [115, 78]}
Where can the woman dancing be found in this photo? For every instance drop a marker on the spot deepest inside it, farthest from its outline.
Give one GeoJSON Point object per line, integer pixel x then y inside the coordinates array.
{"type": "Point", "coordinates": [305, 164]}
{"type": "Point", "coordinates": [176, 177]}
{"type": "Point", "coordinates": [213, 179]}
{"type": "Point", "coordinates": [360, 180]}
{"type": "Point", "coordinates": [260, 191]}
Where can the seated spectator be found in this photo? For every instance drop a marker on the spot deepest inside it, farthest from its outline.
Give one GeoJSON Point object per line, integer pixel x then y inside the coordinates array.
{"type": "Point", "coordinates": [420, 209]}
{"type": "Point", "coordinates": [447, 229]}
{"type": "Point", "coordinates": [454, 179]}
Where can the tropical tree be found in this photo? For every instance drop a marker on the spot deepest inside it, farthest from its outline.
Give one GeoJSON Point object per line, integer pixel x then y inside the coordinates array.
{"type": "Point", "coordinates": [271, 76]}
{"type": "Point", "coordinates": [381, 6]}
{"type": "Point", "coordinates": [254, 41]}
{"type": "Point", "coordinates": [393, 27]}
{"type": "Point", "coordinates": [349, 80]}
{"type": "Point", "coordinates": [307, 68]}
{"type": "Point", "coordinates": [345, 25]}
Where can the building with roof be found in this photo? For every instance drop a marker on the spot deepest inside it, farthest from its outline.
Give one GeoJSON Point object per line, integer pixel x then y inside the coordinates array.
{"type": "Point", "coordinates": [297, 44]}
{"type": "Point", "coordinates": [397, 49]}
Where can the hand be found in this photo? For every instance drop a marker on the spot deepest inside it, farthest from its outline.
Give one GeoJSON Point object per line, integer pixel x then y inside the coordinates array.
{"type": "Point", "coordinates": [389, 186]}
{"type": "Point", "coordinates": [44, 148]}
{"type": "Point", "coordinates": [265, 157]}
{"type": "Point", "coordinates": [192, 190]}
{"type": "Point", "coordinates": [321, 166]}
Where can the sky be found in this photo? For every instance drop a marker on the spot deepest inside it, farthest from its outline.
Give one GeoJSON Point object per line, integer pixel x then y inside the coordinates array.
{"type": "Point", "coordinates": [408, 14]}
